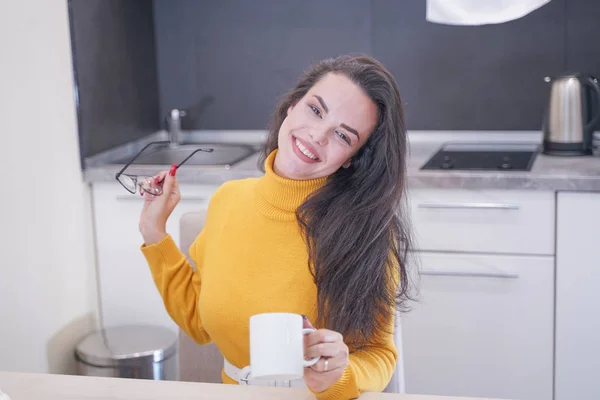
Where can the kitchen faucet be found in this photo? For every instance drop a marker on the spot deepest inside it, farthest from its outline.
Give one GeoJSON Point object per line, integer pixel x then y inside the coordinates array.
{"type": "Point", "coordinates": [174, 126]}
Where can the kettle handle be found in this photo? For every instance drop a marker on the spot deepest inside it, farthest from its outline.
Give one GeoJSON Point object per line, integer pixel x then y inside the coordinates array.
{"type": "Point", "coordinates": [590, 81]}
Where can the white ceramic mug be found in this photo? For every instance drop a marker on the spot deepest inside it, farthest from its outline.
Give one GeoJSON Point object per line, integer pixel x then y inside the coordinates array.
{"type": "Point", "coordinates": [277, 347]}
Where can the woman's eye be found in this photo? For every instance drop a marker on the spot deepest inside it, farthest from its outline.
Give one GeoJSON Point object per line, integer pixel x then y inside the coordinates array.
{"type": "Point", "coordinates": [315, 110]}
{"type": "Point", "coordinates": [344, 137]}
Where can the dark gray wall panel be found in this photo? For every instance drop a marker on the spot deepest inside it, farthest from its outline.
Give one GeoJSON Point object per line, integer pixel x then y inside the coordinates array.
{"type": "Point", "coordinates": [115, 67]}
{"type": "Point", "coordinates": [229, 61]}
{"type": "Point", "coordinates": [583, 38]}
{"type": "Point", "coordinates": [470, 77]}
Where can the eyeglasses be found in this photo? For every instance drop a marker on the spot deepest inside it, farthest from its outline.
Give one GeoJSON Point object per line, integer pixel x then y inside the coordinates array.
{"type": "Point", "coordinates": [147, 183]}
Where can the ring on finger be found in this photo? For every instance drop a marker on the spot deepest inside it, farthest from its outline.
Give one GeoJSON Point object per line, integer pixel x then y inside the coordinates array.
{"type": "Point", "coordinates": [326, 364]}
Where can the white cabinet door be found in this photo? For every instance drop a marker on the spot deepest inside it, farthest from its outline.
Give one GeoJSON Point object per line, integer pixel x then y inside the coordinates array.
{"type": "Point", "coordinates": [483, 327]}
{"type": "Point", "coordinates": [578, 297]}
{"type": "Point", "coordinates": [127, 292]}
{"type": "Point", "coordinates": [483, 221]}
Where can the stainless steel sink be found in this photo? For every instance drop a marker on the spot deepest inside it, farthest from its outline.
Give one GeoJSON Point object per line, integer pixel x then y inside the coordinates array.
{"type": "Point", "coordinates": [223, 155]}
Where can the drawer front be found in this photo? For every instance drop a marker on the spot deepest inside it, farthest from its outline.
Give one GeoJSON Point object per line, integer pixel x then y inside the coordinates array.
{"type": "Point", "coordinates": [483, 327]}
{"type": "Point", "coordinates": [489, 221]}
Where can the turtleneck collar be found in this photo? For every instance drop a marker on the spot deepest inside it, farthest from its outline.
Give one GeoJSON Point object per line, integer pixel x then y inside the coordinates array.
{"type": "Point", "coordinates": [277, 197]}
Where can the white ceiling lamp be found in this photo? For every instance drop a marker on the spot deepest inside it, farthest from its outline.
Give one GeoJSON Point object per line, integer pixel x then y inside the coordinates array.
{"type": "Point", "coordinates": [479, 12]}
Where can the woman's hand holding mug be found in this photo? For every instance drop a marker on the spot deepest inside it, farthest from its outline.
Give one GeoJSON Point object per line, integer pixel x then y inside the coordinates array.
{"type": "Point", "coordinates": [157, 209]}
{"type": "Point", "coordinates": [334, 353]}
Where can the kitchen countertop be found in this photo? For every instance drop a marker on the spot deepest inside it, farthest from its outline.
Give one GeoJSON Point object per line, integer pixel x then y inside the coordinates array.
{"type": "Point", "coordinates": [29, 386]}
{"type": "Point", "coordinates": [548, 172]}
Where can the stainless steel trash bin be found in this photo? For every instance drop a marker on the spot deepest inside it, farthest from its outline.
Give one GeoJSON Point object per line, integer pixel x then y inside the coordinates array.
{"type": "Point", "coordinates": [136, 351]}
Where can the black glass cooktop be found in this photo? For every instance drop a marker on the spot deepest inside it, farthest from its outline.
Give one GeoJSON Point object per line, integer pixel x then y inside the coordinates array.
{"type": "Point", "coordinates": [483, 157]}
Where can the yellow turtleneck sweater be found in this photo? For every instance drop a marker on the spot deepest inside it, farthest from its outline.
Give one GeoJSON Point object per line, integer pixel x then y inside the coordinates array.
{"type": "Point", "coordinates": [251, 258]}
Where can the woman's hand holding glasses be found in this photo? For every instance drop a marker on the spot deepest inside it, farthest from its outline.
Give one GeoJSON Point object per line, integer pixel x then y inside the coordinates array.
{"type": "Point", "coordinates": [161, 195]}
{"type": "Point", "coordinates": [158, 208]}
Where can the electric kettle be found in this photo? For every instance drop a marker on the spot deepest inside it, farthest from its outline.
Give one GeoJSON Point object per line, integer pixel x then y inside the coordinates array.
{"type": "Point", "coordinates": [571, 115]}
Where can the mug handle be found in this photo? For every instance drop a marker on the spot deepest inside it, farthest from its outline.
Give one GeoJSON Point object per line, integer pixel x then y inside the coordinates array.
{"type": "Point", "coordinates": [310, 363]}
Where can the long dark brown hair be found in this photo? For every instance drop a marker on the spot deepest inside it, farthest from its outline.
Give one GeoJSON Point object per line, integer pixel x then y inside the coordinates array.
{"type": "Point", "coordinates": [356, 226]}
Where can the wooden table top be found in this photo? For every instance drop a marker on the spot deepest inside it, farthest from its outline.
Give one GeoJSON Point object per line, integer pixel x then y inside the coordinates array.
{"type": "Point", "coordinates": [31, 386]}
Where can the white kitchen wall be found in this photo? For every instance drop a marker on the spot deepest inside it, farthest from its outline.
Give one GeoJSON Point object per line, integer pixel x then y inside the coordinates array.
{"type": "Point", "coordinates": [47, 277]}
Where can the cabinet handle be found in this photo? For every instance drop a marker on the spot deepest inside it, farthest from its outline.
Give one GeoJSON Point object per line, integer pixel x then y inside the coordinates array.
{"type": "Point", "coordinates": [479, 206]}
{"type": "Point", "coordinates": [471, 274]}
{"type": "Point", "coordinates": [140, 198]}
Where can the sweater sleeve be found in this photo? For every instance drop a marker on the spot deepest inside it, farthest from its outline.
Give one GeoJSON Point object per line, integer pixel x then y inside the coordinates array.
{"type": "Point", "coordinates": [178, 284]}
{"type": "Point", "coordinates": [370, 370]}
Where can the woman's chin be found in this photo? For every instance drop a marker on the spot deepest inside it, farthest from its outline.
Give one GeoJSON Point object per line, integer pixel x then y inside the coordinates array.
{"type": "Point", "coordinates": [298, 173]}
{"type": "Point", "coordinates": [295, 174]}
{"type": "Point", "coordinates": [290, 167]}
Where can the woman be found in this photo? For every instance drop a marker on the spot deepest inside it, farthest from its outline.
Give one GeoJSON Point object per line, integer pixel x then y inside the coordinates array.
{"type": "Point", "coordinates": [321, 234]}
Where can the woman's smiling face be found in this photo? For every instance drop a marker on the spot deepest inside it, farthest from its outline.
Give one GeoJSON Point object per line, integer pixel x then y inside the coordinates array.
{"type": "Point", "coordinates": [324, 129]}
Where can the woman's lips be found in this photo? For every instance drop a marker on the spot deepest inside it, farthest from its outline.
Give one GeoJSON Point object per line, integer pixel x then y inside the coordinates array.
{"type": "Point", "coordinates": [299, 152]}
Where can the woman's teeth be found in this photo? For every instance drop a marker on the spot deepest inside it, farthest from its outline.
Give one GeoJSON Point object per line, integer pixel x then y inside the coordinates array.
{"type": "Point", "coordinates": [305, 151]}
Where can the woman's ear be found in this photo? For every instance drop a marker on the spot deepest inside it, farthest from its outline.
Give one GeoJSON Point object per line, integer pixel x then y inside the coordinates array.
{"type": "Point", "coordinates": [290, 108]}
{"type": "Point", "coordinates": [347, 163]}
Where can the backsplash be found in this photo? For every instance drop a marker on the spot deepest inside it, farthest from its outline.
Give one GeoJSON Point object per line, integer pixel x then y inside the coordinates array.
{"type": "Point", "coordinates": [227, 62]}
{"type": "Point", "coordinates": [115, 72]}
{"type": "Point", "coordinates": [237, 56]}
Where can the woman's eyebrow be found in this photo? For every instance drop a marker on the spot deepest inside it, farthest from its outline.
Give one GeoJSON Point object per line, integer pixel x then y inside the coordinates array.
{"type": "Point", "coordinates": [351, 130]}
{"type": "Point", "coordinates": [322, 102]}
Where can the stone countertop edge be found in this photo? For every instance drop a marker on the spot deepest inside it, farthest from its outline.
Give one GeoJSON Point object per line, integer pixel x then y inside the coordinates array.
{"type": "Point", "coordinates": [548, 172]}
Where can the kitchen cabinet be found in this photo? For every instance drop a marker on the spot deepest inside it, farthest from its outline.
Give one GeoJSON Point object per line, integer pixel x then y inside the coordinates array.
{"type": "Point", "coordinates": [578, 296]}
{"type": "Point", "coordinates": [127, 292]}
{"type": "Point", "coordinates": [484, 321]}
{"type": "Point", "coordinates": [484, 221]}
{"type": "Point", "coordinates": [483, 327]}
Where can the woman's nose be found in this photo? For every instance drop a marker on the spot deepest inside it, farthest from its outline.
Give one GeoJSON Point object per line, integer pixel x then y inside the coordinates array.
{"type": "Point", "coordinates": [319, 136]}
